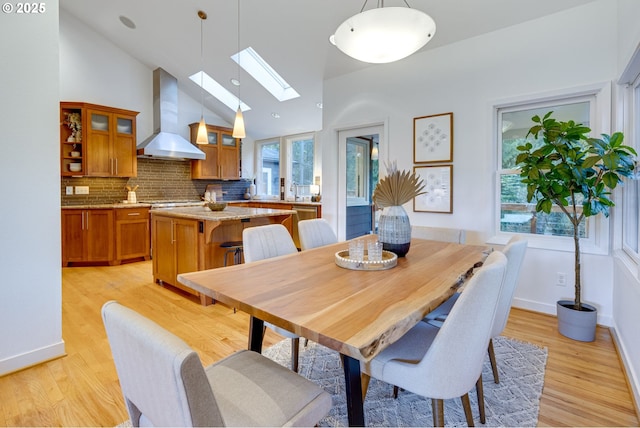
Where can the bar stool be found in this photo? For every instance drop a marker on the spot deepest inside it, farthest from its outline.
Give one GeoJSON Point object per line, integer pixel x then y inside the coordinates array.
{"type": "Point", "coordinates": [235, 248]}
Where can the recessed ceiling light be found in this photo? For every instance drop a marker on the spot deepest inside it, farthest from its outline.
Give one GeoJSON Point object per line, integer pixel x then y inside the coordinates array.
{"type": "Point", "coordinates": [235, 82]}
{"type": "Point", "coordinates": [127, 22]}
{"type": "Point", "coordinates": [275, 115]}
{"type": "Point", "coordinates": [260, 70]}
{"type": "Point", "coordinates": [319, 105]}
{"type": "Point", "coordinates": [218, 91]}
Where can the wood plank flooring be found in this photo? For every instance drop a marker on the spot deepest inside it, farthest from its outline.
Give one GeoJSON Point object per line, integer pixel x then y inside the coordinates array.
{"type": "Point", "coordinates": [584, 382]}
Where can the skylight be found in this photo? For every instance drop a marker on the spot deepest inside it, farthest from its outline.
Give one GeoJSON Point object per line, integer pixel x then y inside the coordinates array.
{"type": "Point", "coordinates": [264, 74]}
{"type": "Point", "coordinates": [216, 89]}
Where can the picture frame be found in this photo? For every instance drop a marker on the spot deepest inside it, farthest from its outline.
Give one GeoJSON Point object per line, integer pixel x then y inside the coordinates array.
{"type": "Point", "coordinates": [438, 180]}
{"type": "Point", "coordinates": [433, 138]}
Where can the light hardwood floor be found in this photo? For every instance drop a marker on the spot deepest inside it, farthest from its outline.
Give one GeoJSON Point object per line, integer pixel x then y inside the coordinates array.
{"type": "Point", "coordinates": [584, 382]}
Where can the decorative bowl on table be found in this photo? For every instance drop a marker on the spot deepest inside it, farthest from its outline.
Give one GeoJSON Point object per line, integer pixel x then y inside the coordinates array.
{"type": "Point", "coordinates": [388, 261]}
{"type": "Point", "coordinates": [216, 206]}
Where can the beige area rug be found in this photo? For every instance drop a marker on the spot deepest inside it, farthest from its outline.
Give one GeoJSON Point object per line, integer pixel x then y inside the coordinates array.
{"type": "Point", "coordinates": [514, 402]}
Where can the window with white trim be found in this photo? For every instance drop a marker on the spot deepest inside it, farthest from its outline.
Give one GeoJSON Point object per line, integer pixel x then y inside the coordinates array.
{"type": "Point", "coordinates": [290, 157]}
{"type": "Point", "coordinates": [515, 214]}
{"type": "Point", "coordinates": [631, 189]}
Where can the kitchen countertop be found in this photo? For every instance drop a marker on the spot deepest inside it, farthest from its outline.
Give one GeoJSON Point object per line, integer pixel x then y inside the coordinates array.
{"type": "Point", "coordinates": [106, 206]}
{"type": "Point", "coordinates": [229, 213]}
{"type": "Point", "coordinates": [276, 201]}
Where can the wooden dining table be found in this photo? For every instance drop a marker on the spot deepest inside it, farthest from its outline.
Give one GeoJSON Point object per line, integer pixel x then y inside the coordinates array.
{"type": "Point", "coordinates": [355, 312]}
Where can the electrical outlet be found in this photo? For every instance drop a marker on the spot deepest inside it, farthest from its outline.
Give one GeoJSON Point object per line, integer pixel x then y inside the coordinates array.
{"type": "Point", "coordinates": [561, 279]}
{"type": "Point", "coordinates": [82, 190]}
{"type": "Point", "coordinates": [69, 190]}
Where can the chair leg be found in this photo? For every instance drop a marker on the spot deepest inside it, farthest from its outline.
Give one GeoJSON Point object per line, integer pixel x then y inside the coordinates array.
{"type": "Point", "coordinates": [480, 392]}
{"type": "Point", "coordinates": [364, 383]}
{"type": "Point", "coordinates": [466, 405]}
{"type": "Point", "coordinates": [395, 391]}
{"type": "Point", "coordinates": [295, 351]}
{"type": "Point", "coordinates": [494, 365]}
{"type": "Point", "coordinates": [437, 408]}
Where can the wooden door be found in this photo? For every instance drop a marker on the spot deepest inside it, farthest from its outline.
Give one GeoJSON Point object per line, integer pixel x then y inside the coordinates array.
{"type": "Point", "coordinates": [186, 241]}
{"type": "Point", "coordinates": [132, 233]}
{"type": "Point", "coordinates": [99, 235]}
{"type": "Point", "coordinates": [229, 157]}
{"type": "Point", "coordinates": [72, 236]}
{"type": "Point", "coordinates": [123, 149]}
{"type": "Point", "coordinates": [163, 252]}
{"type": "Point", "coordinates": [98, 144]}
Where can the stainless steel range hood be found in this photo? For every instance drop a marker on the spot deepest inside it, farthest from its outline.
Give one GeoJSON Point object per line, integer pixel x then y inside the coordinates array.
{"type": "Point", "coordinates": [165, 142]}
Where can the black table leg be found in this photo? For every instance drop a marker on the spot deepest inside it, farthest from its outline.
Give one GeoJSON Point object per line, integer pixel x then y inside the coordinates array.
{"type": "Point", "coordinates": [355, 407]}
{"type": "Point", "coordinates": [256, 330]}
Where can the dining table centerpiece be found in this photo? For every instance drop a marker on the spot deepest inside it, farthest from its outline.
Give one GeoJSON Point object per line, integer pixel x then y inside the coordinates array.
{"type": "Point", "coordinates": [394, 190]}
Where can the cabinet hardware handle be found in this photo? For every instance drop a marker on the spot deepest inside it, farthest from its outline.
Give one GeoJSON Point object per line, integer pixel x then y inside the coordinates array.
{"type": "Point", "coordinates": [110, 166]}
{"type": "Point", "coordinates": [116, 166]}
{"type": "Point", "coordinates": [172, 233]}
{"type": "Point", "coordinates": [87, 220]}
{"type": "Point", "coordinates": [133, 214]}
{"type": "Point", "coordinates": [82, 220]}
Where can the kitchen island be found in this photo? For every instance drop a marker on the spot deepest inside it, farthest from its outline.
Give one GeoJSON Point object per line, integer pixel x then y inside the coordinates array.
{"type": "Point", "coordinates": [188, 239]}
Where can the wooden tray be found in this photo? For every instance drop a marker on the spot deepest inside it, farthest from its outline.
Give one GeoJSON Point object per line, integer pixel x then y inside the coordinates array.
{"type": "Point", "coordinates": [389, 260]}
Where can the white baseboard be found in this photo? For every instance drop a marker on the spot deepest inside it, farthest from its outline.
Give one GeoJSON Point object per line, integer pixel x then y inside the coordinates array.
{"type": "Point", "coordinates": [32, 358]}
{"type": "Point", "coordinates": [632, 377]}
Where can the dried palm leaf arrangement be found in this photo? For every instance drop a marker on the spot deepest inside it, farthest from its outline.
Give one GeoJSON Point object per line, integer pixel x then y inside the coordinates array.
{"type": "Point", "coordinates": [398, 187]}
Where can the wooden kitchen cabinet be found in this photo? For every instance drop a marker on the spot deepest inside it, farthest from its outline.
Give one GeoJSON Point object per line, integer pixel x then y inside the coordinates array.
{"type": "Point", "coordinates": [222, 154]}
{"type": "Point", "coordinates": [106, 145]}
{"type": "Point", "coordinates": [132, 233]}
{"type": "Point", "coordinates": [175, 249]}
{"type": "Point", "coordinates": [87, 235]}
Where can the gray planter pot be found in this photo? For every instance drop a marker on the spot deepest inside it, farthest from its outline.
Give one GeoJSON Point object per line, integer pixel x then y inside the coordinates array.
{"type": "Point", "coordinates": [577, 325]}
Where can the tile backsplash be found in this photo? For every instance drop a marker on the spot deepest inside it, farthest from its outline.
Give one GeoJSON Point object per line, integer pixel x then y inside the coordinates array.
{"type": "Point", "coordinates": [156, 180]}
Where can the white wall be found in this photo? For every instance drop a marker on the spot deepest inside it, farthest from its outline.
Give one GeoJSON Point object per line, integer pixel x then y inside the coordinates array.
{"type": "Point", "coordinates": [30, 295]}
{"type": "Point", "coordinates": [556, 52]}
{"type": "Point", "coordinates": [626, 290]}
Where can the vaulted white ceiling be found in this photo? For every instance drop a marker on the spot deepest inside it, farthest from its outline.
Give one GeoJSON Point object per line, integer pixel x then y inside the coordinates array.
{"type": "Point", "coordinates": [292, 35]}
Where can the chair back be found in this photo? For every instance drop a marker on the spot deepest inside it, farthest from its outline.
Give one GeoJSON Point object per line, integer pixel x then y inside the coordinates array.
{"type": "Point", "coordinates": [514, 251]}
{"type": "Point", "coordinates": [264, 242]}
{"type": "Point", "coordinates": [162, 379]}
{"type": "Point", "coordinates": [453, 362]}
{"type": "Point", "coordinates": [315, 232]}
{"type": "Point", "coordinates": [444, 234]}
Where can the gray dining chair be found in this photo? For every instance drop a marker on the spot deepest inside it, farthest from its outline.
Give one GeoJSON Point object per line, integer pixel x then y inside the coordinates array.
{"type": "Point", "coordinates": [514, 251]}
{"type": "Point", "coordinates": [164, 382]}
{"type": "Point", "coordinates": [445, 234]}
{"type": "Point", "coordinates": [315, 232]}
{"type": "Point", "coordinates": [444, 363]}
{"type": "Point", "coordinates": [264, 242]}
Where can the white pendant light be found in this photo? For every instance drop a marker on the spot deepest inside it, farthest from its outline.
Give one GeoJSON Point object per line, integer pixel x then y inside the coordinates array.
{"type": "Point", "coordinates": [202, 137]}
{"type": "Point", "coordinates": [238, 124]}
{"type": "Point", "coordinates": [384, 34]}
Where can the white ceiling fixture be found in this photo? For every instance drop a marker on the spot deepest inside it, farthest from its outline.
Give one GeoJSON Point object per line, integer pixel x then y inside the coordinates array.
{"type": "Point", "coordinates": [217, 90]}
{"type": "Point", "coordinates": [260, 70]}
{"type": "Point", "coordinates": [202, 135]}
{"type": "Point", "coordinates": [384, 34]}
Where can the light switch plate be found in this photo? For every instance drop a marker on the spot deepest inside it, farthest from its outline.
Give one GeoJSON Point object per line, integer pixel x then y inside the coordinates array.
{"type": "Point", "coordinates": [69, 190]}
{"type": "Point", "coordinates": [82, 190]}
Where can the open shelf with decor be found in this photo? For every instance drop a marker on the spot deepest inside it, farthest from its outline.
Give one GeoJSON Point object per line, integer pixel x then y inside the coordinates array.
{"type": "Point", "coordinates": [71, 139]}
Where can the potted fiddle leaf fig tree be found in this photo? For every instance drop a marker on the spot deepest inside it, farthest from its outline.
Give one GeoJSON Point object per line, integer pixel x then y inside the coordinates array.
{"type": "Point", "coordinates": [577, 173]}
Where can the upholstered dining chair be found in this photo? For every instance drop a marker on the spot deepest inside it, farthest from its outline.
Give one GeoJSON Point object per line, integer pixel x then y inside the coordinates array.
{"type": "Point", "coordinates": [164, 383]}
{"type": "Point", "coordinates": [315, 232]}
{"type": "Point", "coordinates": [514, 251]}
{"type": "Point", "coordinates": [443, 363]}
{"type": "Point", "coordinates": [263, 242]}
{"type": "Point", "coordinates": [445, 234]}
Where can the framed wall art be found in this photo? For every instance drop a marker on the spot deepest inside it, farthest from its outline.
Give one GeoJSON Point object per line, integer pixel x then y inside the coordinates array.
{"type": "Point", "coordinates": [433, 138]}
{"type": "Point", "coordinates": [438, 180]}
